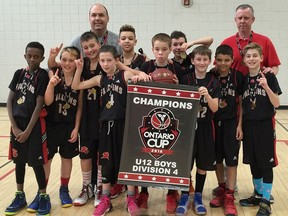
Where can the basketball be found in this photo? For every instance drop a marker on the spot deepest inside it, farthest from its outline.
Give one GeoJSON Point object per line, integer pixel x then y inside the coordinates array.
{"type": "Point", "coordinates": [162, 75]}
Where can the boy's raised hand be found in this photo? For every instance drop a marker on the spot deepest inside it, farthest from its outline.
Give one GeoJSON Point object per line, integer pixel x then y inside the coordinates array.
{"type": "Point", "coordinates": [55, 51]}
{"type": "Point", "coordinates": [79, 63]}
{"type": "Point", "coordinates": [54, 80]}
{"type": "Point", "coordinates": [262, 80]}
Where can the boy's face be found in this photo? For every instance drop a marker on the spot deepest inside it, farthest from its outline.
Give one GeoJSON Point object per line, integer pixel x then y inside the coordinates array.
{"type": "Point", "coordinates": [127, 41]}
{"type": "Point", "coordinates": [223, 63]}
{"type": "Point", "coordinates": [67, 62]}
{"type": "Point", "coordinates": [201, 63]}
{"type": "Point", "coordinates": [33, 57]}
{"type": "Point", "coordinates": [253, 59]}
{"type": "Point", "coordinates": [91, 48]}
{"type": "Point", "coordinates": [176, 44]}
{"type": "Point", "coordinates": [107, 62]}
{"type": "Point", "coordinates": [161, 51]}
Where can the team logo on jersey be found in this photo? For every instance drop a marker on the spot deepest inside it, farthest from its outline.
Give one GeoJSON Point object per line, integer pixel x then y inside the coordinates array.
{"type": "Point", "coordinates": [84, 149]}
{"type": "Point", "coordinates": [159, 132]}
{"type": "Point", "coordinates": [105, 155]}
{"type": "Point", "coordinates": [14, 153]}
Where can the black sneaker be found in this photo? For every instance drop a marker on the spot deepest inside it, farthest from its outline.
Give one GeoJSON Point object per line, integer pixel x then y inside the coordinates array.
{"type": "Point", "coordinates": [265, 209]}
{"type": "Point", "coordinates": [44, 205]}
{"type": "Point", "coordinates": [254, 200]}
{"type": "Point", "coordinates": [17, 204]}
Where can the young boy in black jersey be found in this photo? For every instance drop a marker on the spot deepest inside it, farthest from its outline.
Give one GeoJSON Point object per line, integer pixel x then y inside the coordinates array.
{"type": "Point", "coordinates": [64, 107]}
{"type": "Point", "coordinates": [204, 145]}
{"type": "Point", "coordinates": [228, 128]}
{"type": "Point", "coordinates": [128, 41]}
{"type": "Point", "coordinates": [260, 98]}
{"type": "Point", "coordinates": [28, 130]}
{"type": "Point", "coordinates": [161, 47]}
{"type": "Point", "coordinates": [180, 45]}
{"type": "Point", "coordinates": [113, 84]}
{"type": "Point", "coordinates": [89, 127]}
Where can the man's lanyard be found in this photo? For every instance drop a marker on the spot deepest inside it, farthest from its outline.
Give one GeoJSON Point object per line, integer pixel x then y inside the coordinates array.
{"type": "Point", "coordinates": [238, 43]}
{"type": "Point", "coordinates": [104, 39]}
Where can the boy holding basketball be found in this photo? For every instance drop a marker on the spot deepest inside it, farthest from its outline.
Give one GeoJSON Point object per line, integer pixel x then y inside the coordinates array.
{"type": "Point", "coordinates": [161, 47]}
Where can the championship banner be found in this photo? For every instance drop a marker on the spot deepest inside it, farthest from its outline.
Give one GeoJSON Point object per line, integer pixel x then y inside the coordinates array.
{"type": "Point", "coordinates": [159, 135]}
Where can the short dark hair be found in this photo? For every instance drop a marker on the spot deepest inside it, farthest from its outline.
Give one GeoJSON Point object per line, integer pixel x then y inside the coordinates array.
{"type": "Point", "coordinates": [87, 36]}
{"type": "Point", "coordinates": [72, 50]}
{"type": "Point", "coordinates": [163, 37]}
{"type": "Point", "coordinates": [245, 6]}
{"type": "Point", "coordinates": [224, 50]}
{"type": "Point", "coordinates": [36, 45]}
{"type": "Point", "coordinates": [109, 48]}
{"type": "Point", "coordinates": [177, 35]}
{"type": "Point", "coordinates": [201, 50]}
{"type": "Point", "coordinates": [127, 28]}
{"type": "Point", "coordinates": [252, 46]}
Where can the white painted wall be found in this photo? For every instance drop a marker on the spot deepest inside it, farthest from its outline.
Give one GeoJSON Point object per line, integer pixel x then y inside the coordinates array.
{"type": "Point", "coordinates": [55, 21]}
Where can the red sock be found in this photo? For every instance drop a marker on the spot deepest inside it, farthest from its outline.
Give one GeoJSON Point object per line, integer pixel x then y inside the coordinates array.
{"type": "Point", "coordinates": [223, 185]}
{"type": "Point", "coordinates": [64, 181]}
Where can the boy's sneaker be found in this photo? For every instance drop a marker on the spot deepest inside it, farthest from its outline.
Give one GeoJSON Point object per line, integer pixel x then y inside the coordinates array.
{"type": "Point", "coordinates": [17, 204]}
{"type": "Point", "coordinates": [65, 198]}
{"type": "Point", "coordinates": [84, 195]}
{"type": "Point", "coordinates": [44, 205]}
{"type": "Point", "coordinates": [34, 205]}
{"type": "Point", "coordinates": [103, 207]}
{"type": "Point", "coordinates": [98, 194]}
{"type": "Point", "coordinates": [198, 205]}
{"type": "Point", "coordinates": [265, 209]}
{"type": "Point", "coordinates": [229, 205]}
{"type": "Point", "coordinates": [218, 200]}
{"type": "Point", "coordinates": [132, 207]}
{"type": "Point", "coordinates": [183, 205]}
{"type": "Point", "coordinates": [142, 200]}
{"type": "Point", "coordinates": [172, 202]}
{"type": "Point", "coordinates": [116, 189]}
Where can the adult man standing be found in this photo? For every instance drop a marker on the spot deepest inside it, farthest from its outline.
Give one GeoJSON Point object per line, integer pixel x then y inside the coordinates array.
{"type": "Point", "coordinates": [244, 19]}
{"type": "Point", "coordinates": [98, 19]}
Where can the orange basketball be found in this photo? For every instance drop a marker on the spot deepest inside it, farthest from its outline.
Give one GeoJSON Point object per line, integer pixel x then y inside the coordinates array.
{"type": "Point", "coordinates": [162, 75]}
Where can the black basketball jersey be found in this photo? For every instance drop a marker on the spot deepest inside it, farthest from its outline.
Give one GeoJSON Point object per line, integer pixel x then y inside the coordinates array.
{"type": "Point", "coordinates": [185, 65]}
{"type": "Point", "coordinates": [137, 62]}
{"type": "Point", "coordinates": [27, 87]}
{"type": "Point", "coordinates": [150, 66]}
{"type": "Point", "coordinates": [89, 127]}
{"type": "Point", "coordinates": [256, 104]}
{"type": "Point", "coordinates": [212, 84]}
{"type": "Point", "coordinates": [231, 87]}
{"type": "Point", "coordinates": [113, 97]}
{"type": "Point", "coordinates": [64, 107]}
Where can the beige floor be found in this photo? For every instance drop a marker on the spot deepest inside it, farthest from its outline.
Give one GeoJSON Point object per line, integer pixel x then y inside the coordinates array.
{"type": "Point", "coordinates": [157, 196]}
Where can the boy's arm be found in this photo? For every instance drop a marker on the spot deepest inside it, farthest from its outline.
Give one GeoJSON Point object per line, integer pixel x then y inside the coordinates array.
{"type": "Point", "coordinates": [273, 97]}
{"type": "Point", "coordinates": [15, 129]}
{"type": "Point", "coordinates": [74, 133]}
{"type": "Point", "coordinates": [142, 74]}
{"type": "Point", "coordinates": [52, 57]}
{"type": "Point", "coordinates": [212, 102]}
{"type": "Point", "coordinates": [206, 41]}
{"type": "Point", "coordinates": [239, 131]}
{"type": "Point", "coordinates": [49, 93]}
{"type": "Point", "coordinates": [77, 84]}
{"type": "Point", "coordinates": [23, 136]}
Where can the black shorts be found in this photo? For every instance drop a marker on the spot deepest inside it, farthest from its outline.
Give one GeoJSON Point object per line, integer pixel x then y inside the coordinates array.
{"type": "Point", "coordinates": [204, 146]}
{"type": "Point", "coordinates": [58, 136]}
{"type": "Point", "coordinates": [88, 148]}
{"type": "Point", "coordinates": [227, 146]}
{"type": "Point", "coordinates": [259, 143]}
{"type": "Point", "coordinates": [110, 148]}
{"type": "Point", "coordinates": [34, 150]}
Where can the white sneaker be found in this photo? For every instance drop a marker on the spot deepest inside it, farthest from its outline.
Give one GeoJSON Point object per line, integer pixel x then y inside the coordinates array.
{"type": "Point", "coordinates": [97, 193]}
{"type": "Point", "coordinates": [85, 194]}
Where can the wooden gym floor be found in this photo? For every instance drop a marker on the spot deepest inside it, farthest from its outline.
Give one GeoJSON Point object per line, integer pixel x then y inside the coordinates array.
{"type": "Point", "coordinates": [157, 196]}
